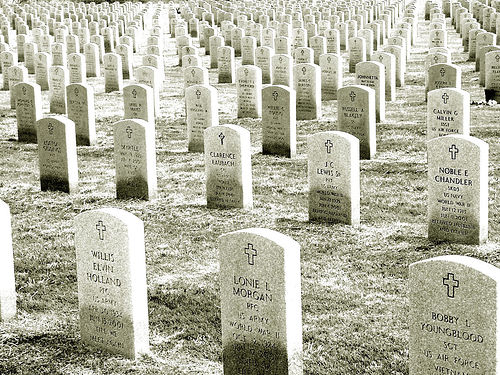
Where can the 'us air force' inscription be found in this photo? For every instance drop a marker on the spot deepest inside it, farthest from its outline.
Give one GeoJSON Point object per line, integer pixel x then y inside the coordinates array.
{"type": "Point", "coordinates": [454, 331]}
{"type": "Point", "coordinates": [256, 293]}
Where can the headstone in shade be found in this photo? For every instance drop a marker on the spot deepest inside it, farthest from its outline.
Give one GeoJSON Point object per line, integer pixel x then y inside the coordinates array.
{"type": "Point", "coordinates": [111, 274]}
{"type": "Point", "coordinates": [356, 116]}
{"type": "Point", "coordinates": [249, 91]}
{"type": "Point", "coordinates": [307, 84]}
{"type": "Point", "coordinates": [7, 59]}
{"type": "Point", "coordinates": [318, 44]}
{"type": "Point", "coordinates": [443, 75]}
{"type": "Point", "coordinates": [226, 64]}
{"type": "Point", "coordinates": [113, 75]}
{"type": "Point", "coordinates": [58, 80]}
{"type": "Point", "coordinates": [331, 75]}
{"type": "Point", "coordinates": [150, 76]}
{"type": "Point", "coordinates": [282, 45]}
{"type": "Point", "coordinates": [30, 51]}
{"type": "Point", "coordinates": [77, 68]}
{"type": "Point", "coordinates": [16, 74]}
{"type": "Point", "coordinates": [333, 174]}
{"type": "Point", "coordinates": [282, 70]}
{"type": "Point", "coordinates": [248, 46]}
{"type": "Point", "coordinates": [57, 154]}
{"type": "Point", "coordinates": [388, 60]}
{"type": "Point", "coordinates": [81, 110]}
{"type": "Point", "coordinates": [482, 62]}
{"type": "Point", "coordinates": [261, 309]}
{"type": "Point", "coordinates": [215, 41]}
{"type": "Point", "coordinates": [371, 74]}
{"type": "Point", "coordinates": [93, 64]}
{"type": "Point", "coordinates": [278, 121]}
{"type": "Point", "coordinates": [195, 75]}
{"type": "Point", "coordinates": [125, 52]}
{"type": "Point", "coordinates": [43, 62]}
{"type": "Point", "coordinates": [458, 189]}
{"type": "Point", "coordinates": [454, 316]}
{"type": "Point", "coordinates": [138, 102]}
{"type": "Point", "coordinates": [398, 53]}
{"type": "Point", "coordinates": [448, 112]}
{"type": "Point", "coordinates": [492, 75]}
{"type": "Point", "coordinates": [135, 159]}
{"type": "Point", "coordinates": [7, 279]}
{"type": "Point", "coordinates": [201, 113]}
{"type": "Point", "coordinates": [263, 56]}
{"type": "Point", "coordinates": [357, 52]}
{"type": "Point", "coordinates": [28, 110]}
{"type": "Point", "coordinates": [228, 167]}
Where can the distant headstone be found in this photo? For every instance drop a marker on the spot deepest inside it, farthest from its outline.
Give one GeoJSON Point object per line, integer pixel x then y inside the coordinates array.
{"type": "Point", "coordinates": [195, 75]}
{"type": "Point", "coordinates": [43, 62]}
{"type": "Point", "coordinates": [59, 79]}
{"type": "Point", "coordinates": [225, 64]}
{"type": "Point", "coordinates": [492, 76]}
{"type": "Point", "coordinates": [138, 102]}
{"type": "Point", "coordinates": [113, 75]}
{"type": "Point", "coordinates": [150, 76]}
{"type": "Point", "coordinates": [458, 189]}
{"type": "Point", "coordinates": [111, 274]}
{"type": "Point", "coordinates": [454, 316]}
{"type": "Point", "coordinates": [261, 312]}
{"type": "Point", "coordinates": [448, 112]}
{"type": "Point", "coordinates": [357, 52]}
{"type": "Point", "coordinates": [388, 60]}
{"type": "Point", "coordinates": [201, 112]}
{"type": "Point", "coordinates": [57, 154]}
{"type": "Point", "coordinates": [28, 110]}
{"type": "Point", "coordinates": [356, 116]}
{"type": "Point", "coordinates": [16, 74]}
{"type": "Point", "coordinates": [8, 284]}
{"type": "Point", "coordinates": [81, 110]}
{"type": "Point", "coordinates": [333, 171]}
{"type": "Point", "coordinates": [93, 64]}
{"type": "Point", "coordinates": [398, 53]}
{"type": "Point", "coordinates": [263, 56]}
{"type": "Point", "coordinates": [77, 68]}
{"type": "Point", "coordinates": [372, 74]}
{"type": "Point", "coordinates": [282, 70]}
{"type": "Point", "coordinates": [331, 75]}
{"type": "Point", "coordinates": [278, 121]}
{"type": "Point", "coordinates": [307, 84]}
{"type": "Point", "coordinates": [443, 75]}
{"type": "Point", "coordinates": [249, 91]}
{"type": "Point", "coordinates": [135, 159]}
{"type": "Point", "coordinates": [228, 167]}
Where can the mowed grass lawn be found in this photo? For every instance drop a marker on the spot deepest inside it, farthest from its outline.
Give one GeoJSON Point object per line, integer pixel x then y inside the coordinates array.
{"type": "Point", "coordinates": [354, 281]}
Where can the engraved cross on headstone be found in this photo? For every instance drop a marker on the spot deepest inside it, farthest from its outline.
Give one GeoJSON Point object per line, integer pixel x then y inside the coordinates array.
{"type": "Point", "coordinates": [134, 93]}
{"type": "Point", "coordinates": [129, 131]}
{"type": "Point", "coordinates": [445, 98]}
{"type": "Point", "coordinates": [352, 95]}
{"type": "Point", "coordinates": [497, 57]}
{"type": "Point", "coordinates": [453, 151]}
{"type": "Point", "coordinates": [275, 95]}
{"type": "Point", "coordinates": [198, 94]}
{"type": "Point", "coordinates": [451, 283]}
{"type": "Point", "coordinates": [222, 136]}
{"type": "Point", "coordinates": [304, 69]}
{"type": "Point", "coordinates": [328, 145]}
{"type": "Point", "coordinates": [51, 128]}
{"type": "Point", "coordinates": [442, 71]}
{"type": "Point", "coordinates": [251, 253]}
{"type": "Point", "coordinates": [101, 228]}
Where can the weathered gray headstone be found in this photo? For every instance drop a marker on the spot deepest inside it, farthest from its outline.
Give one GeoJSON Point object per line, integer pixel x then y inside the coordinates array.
{"type": "Point", "coordinates": [278, 121]}
{"type": "Point", "coordinates": [111, 273]}
{"type": "Point", "coordinates": [57, 154]}
{"type": "Point", "coordinates": [81, 109]}
{"type": "Point", "coordinates": [7, 279]}
{"type": "Point", "coordinates": [356, 116]}
{"type": "Point", "coordinates": [249, 91]}
{"type": "Point", "coordinates": [261, 309]}
{"type": "Point", "coordinates": [448, 112]}
{"type": "Point", "coordinates": [228, 167]}
{"type": "Point", "coordinates": [201, 113]}
{"type": "Point", "coordinates": [28, 110]}
{"type": "Point", "coordinates": [454, 316]}
{"type": "Point", "coordinates": [458, 189]}
{"type": "Point", "coordinates": [307, 84]}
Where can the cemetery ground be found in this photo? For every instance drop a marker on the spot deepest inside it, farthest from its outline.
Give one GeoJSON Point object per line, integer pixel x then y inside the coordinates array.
{"type": "Point", "coordinates": [354, 280]}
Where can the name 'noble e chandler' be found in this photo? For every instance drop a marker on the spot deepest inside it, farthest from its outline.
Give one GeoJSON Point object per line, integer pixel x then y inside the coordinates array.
{"type": "Point", "coordinates": [453, 180]}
